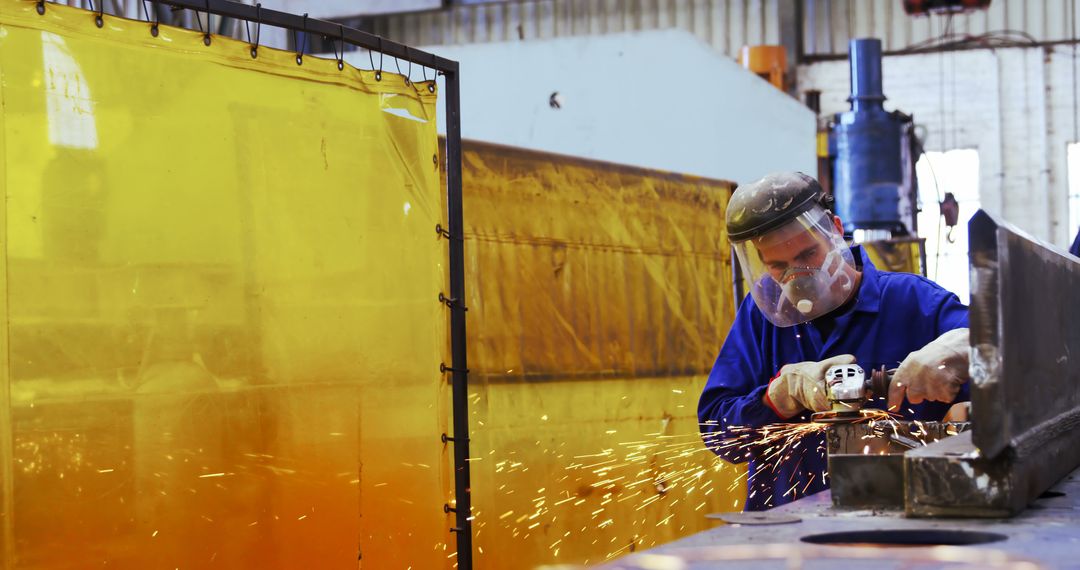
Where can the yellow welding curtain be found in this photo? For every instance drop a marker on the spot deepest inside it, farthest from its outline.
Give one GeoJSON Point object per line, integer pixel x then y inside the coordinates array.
{"type": "Point", "coordinates": [599, 296]}
{"type": "Point", "coordinates": [220, 278]}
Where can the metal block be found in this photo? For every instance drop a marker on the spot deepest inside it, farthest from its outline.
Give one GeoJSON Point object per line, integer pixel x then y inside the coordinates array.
{"type": "Point", "coordinates": [866, 460]}
{"type": "Point", "coordinates": [951, 478]}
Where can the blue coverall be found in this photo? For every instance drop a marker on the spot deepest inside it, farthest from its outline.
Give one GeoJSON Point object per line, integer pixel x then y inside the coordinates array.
{"type": "Point", "coordinates": [893, 315]}
{"type": "Point", "coordinates": [1075, 247]}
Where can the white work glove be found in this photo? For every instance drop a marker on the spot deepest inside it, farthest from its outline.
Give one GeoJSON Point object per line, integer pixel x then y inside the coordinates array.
{"type": "Point", "coordinates": [934, 372]}
{"type": "Point", "coordinates": [801, 386]}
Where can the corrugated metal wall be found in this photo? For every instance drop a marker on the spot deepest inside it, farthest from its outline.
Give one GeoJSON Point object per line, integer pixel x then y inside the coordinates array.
{"type": "Point", "coordinates": [829, 24]}
{"type": "Point", "coordinates": [724, 24]}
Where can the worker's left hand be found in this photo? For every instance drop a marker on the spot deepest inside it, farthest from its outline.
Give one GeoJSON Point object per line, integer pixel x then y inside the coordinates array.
{"type": "Point", "coordinates": [934, 372]}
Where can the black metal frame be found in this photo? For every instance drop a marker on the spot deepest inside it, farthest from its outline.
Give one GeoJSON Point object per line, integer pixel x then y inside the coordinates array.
{"type": "Point", "coordinates": [449, 69]}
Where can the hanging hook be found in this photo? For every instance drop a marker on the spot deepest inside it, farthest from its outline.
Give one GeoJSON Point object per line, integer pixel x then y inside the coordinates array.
{"type": "Point", "coordinates": [99, 18]}
{"type": "Point", "coordinates": [206, 37]}
{"type": "Point", "coordinates": [154, 23]}
{"type": "Point", "coordinates": [301, 46]}
{"type": "Point", "coordinates": [258, 30]}
{"type": "Point", "coordinates": [341, 44]}
{"type": "Point", "coordinates": [378, 74]}
{"type": "Point", "coordinates": [397, 64]}
{"type": "Point", "coordinates": [431, 85]}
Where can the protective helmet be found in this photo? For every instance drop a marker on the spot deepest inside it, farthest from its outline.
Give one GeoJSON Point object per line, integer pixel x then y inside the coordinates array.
{"type": "Point", "coordinates": [796, 260]}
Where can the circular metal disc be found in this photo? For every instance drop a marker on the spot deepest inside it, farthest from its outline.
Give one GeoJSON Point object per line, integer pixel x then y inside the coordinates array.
{"type": "Point", "coordinates": [754, 518]}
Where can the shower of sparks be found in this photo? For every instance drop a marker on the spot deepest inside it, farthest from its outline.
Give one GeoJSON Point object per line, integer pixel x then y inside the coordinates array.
{"type": "Point", "coordinates": [636, 486]}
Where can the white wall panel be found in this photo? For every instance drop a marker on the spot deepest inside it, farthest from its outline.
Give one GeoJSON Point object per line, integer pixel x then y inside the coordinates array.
{"type": "Point", "coordinates": [658, 99]}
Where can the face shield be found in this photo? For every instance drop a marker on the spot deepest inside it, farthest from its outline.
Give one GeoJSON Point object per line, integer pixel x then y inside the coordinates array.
{"type": "Point", "coordinates": [799, 271]}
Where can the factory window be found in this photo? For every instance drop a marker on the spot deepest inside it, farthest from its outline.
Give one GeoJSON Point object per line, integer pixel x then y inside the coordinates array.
{"type": "Point", "coordinates": [956, 172]}
{"type": "Point", "coordinates": [1074, 190]}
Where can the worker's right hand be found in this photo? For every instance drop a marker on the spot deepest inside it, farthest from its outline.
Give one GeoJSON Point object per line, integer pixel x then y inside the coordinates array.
{"type": "Point", "coordinates": [801, 386]}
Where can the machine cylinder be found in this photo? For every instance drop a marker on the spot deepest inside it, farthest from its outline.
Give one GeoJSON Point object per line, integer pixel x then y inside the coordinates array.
{"type": "Point", "coordinates": [869, 173]}
{"type": "Point", "coordinates": [864, 59]}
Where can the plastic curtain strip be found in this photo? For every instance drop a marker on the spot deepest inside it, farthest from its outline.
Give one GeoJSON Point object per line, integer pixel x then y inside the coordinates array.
{"type": "Point", "coordinates": [222, 325]}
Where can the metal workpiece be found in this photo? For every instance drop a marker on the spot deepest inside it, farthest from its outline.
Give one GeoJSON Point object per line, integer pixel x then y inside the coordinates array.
{"type": "Point", "coordinates": [1046, 535]}
{"type": "Point", "coordinates": [951, 478]}
{"type": "Point", "coordinates": [888, 437]}
{"type": "Point", "coordinates": [1024, 331]}
{"type": "Point", "coordinates": [866, 460]}
{"type": "Point", "coordinates": [1025, 393]}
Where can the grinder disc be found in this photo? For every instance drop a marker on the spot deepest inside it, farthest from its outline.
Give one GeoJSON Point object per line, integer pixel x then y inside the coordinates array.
{"type": "Point", "coordinates": [851, 417]}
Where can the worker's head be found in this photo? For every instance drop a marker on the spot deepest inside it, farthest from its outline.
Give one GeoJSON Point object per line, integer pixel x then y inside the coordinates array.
{"type": "Point", "coordinates": [791, 247]}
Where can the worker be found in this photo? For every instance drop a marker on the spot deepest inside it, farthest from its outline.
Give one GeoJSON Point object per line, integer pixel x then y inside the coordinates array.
{"type": "Point", "coordinates": [1075, 247]}
{"type": "Point", "coordinates": [815, 302]}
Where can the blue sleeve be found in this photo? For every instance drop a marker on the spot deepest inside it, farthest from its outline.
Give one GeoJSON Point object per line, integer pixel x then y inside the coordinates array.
{"type": "Point", "coordinates": [952, 314]}
{"type": "Point", "coordinates": [733, 394]}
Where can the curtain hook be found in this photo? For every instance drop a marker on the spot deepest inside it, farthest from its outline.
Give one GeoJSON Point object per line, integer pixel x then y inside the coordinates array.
{"type": "Point", "coordinates": [378, 74]}
{"type": "Point", "coordinates": [302, 46]}
{"type": "Point", "coordinates": [258, 30]}
{"type": "Point", "coordinates": [206, 37]}
{"type": "Point", "coordinates": [99, 18]}
{"type": "Point", "coordinates": [341, 42]}
{"type": "Point", "coordinates": [154, 23]}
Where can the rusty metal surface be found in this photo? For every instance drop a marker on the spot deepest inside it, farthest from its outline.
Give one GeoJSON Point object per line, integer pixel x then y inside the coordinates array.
{"type": "Point", "coordinates": [1045, 535]}
{"type": "Point", "coordinates": [950, 478]}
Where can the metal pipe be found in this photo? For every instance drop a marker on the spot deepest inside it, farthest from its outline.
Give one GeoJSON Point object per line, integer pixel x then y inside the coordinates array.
{"type": "Point", "coordinates": [460, 378]}
{"type": "Point", "coordinates": [315, 26]}
{"type": "Point", "coordinates": [865, 60]}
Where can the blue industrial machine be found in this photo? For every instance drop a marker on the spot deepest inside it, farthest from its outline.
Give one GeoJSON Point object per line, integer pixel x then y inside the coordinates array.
{"type": "Point", "coordinates": [874, 160]}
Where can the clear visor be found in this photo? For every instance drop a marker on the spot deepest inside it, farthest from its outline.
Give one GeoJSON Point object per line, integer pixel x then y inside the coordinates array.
{"type": "Point", "coordinates": [799, 271]}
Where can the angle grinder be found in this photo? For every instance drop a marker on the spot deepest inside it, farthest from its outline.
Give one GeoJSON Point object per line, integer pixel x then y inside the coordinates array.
{"type": "Point", "coordinates": [850, 389]}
